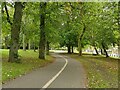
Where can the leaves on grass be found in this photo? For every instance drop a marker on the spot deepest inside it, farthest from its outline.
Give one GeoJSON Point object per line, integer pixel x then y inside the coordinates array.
{"type": "Point", "coordinates": [101, 72]}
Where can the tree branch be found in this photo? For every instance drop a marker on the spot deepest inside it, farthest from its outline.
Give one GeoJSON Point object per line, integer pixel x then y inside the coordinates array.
{"type": "Point", "coordinates": [83, 32]}
{"type": "Point", "coordinates": [8, 17]}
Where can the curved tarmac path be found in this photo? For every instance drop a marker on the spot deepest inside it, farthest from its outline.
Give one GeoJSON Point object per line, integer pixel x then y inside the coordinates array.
{"type": "Point", "coordinates": [65, 72]}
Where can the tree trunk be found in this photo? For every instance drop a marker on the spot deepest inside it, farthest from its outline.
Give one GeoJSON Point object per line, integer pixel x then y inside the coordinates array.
{"type": "Point", "coordinates": [29, 46]}
{"type": "Point", "coordinates": [6, 43]}
{"type": "Point", "coordinates": [47, 48]}
{"type": "Point", "coordinates": [34, 47]}
{"type": "Point", "coordinates": [96, 51]}
{"type": "Point", "coordinates": [15, 30]}
{"type": "Point", "coordinates": [72, 49]}
{"type": "Point", "coordinates": [119, 51]}
{"type": "Point", "coordinates": [119, 29]}
{"type": "Point", "coordinates": [79, 47]}
{"type": "Point", "coordinates": [69, 50]}
{"type": "Point", "coordinates": [42, 42]}
{"type": "Point", "coordinates": [24, 43]}
{"type": "Point", "coordinates": [102, 53]}
{"type": "Point", "coordinates": [80, 40]}
{"type": "Point", "coordinates": [105, 50]}
{"type": "Point", "coordinates": [80, 50]}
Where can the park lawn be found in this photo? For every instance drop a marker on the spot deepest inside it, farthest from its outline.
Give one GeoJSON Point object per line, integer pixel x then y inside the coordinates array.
{"type": "Point", "coordinates": [101, 72]}
{"type": "Point", "coordinates": [29, 62]}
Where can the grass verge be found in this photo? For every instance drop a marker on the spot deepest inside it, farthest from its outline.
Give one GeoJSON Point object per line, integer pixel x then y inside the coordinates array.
{"type": "Point", "coordinates": [101, 72]}
{"type": "Point", "coordinates": [29, 61]}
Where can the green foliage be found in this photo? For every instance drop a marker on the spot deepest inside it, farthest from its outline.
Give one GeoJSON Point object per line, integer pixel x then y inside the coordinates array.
{"type": "Point", "coordinates": [65, 22]}
{"type": "Point", "coordinates": [102, 23]}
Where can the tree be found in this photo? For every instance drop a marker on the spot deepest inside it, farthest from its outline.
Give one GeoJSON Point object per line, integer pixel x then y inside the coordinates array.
{"type": "Point", "coordinates": [63, 24]}
{"type": "Point", "coordinates": [68, 31]}
{"type": "Point", "coordinates": [15, 30]}
{"type": "Point", "coordinates": [102, 25]}
{"type": "Point", "coordinates": [6, 26]}
{"type": "Point", "coordinates": [30, 26]}
{"type": "Point", "coordinates": [42, 43]}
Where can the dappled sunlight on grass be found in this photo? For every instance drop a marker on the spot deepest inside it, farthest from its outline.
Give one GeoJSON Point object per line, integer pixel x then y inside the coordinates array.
{"type": "Point", "coordinates": [29, 61]}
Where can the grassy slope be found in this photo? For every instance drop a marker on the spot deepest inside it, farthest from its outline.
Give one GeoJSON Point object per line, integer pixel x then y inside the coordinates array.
{"type": "Point", "coordinates": [101, 72]}
{"type": "Point", "coordinates": [29, 60]}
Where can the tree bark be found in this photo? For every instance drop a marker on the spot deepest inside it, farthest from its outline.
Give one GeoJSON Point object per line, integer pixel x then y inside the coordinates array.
{"type": "Point", "coordinates": [72, 49]}
{"type": "Point", "coordinates": [119, 28]}
{"type": "Point", "coordinates": [119, 51]}
{"type": "Point", "coordinates": [80, 49]}
{"type": "Point", "coordinates": [42, 42]}
{"type": "Point", "coordinates": [24, 43]}
{"type": "Point", "coordinates": [96, 51]}
{"type": "Point", "coordinates": [102, 53]}
{"type": "Point", "coordinates": [105, 50]}
{"type": "Point", "coordinates": [80, 40]}
{"type": "Point", "coordinates": [6, 43]}
{"type": "Point", "coordinates": [69, 49]}
{"type": "Point", "coordinates": [47, 48]}
{"type": "Point", "coordinates": [29, 44]}
{"type": "Point", "coordinates": [15, 30]}
{"type": "Point", "coordinates": [34, 47]}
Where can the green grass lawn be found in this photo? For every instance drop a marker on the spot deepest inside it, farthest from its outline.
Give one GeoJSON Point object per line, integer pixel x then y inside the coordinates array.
{"type": "Point", "coordinates": [29, 61]}
{"type": "Point", "coordinates": [101, 72]}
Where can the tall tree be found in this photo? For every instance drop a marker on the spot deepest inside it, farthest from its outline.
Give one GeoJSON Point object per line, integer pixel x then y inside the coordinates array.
{"type": "Point", "coordinates": [42, 42]}
{"type": "Point", "coordinates": [15, 30]}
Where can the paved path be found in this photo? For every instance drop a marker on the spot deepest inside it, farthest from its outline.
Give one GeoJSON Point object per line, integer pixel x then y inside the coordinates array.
{"type": "Point", "coordinates": [63, 73]}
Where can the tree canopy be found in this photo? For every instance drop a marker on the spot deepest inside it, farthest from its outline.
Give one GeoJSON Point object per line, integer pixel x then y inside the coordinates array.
{"type": "Point", "coordinates": [42, 25]}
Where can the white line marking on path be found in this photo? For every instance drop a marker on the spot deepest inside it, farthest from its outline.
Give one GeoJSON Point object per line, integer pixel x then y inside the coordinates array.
{"type": "Point", "coordinates": [50, 81]}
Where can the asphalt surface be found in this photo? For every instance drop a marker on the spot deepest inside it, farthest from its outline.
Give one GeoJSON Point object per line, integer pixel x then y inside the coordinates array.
{"type": "Point", "coordinates": [72, 75]}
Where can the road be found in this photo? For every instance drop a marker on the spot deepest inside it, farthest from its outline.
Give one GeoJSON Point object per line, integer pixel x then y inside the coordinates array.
{"type": "Point", "coordinates": [65, 72]}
